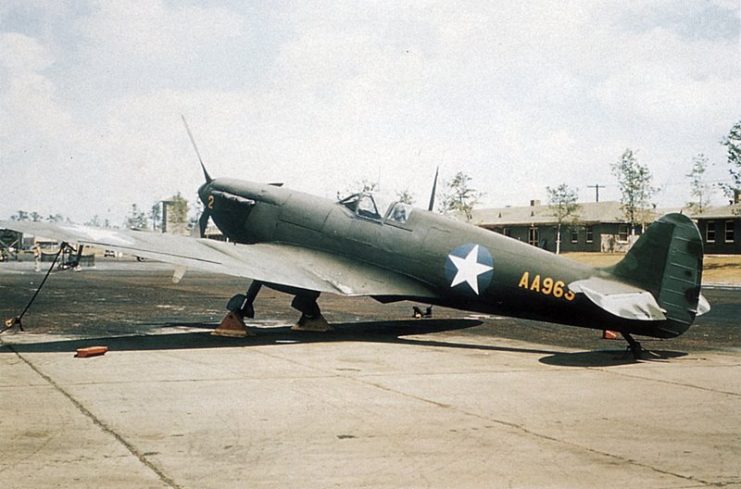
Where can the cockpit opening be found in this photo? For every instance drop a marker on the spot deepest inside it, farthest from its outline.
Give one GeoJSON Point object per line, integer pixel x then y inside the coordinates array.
{"type": "Point", "coordinates": [363, 205]}
{"type": "Point", "coordinates": [399, 212]}
{"type": "Point", "coordinates": [372, 206]}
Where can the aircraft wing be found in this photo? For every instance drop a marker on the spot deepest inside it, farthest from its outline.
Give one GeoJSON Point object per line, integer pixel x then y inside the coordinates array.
{"type": "Point", "coordinates": [267, 262]}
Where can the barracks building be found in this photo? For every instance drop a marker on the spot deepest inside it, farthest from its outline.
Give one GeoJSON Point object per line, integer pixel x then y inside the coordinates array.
{"type": "Point", "coordinates": [601, 227]}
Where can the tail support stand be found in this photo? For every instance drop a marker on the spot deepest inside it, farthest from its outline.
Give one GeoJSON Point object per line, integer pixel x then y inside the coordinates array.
{"type": "Point", "coordinates": [633, 346]}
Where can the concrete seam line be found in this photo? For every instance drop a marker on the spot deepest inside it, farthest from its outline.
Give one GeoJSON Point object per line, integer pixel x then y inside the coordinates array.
{"type": "Point", "coordinates": [534, 433]}
{"type": "Point", "coordinates": [131, 448]}
{"type": "Point", "coordinates": [500, 422]}
{"type": "Point", "coordinates": [670, 382]}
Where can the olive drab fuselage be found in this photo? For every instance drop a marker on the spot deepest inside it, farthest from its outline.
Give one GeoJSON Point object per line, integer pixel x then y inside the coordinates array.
{"type": "Point", "coordinates": [466, 267]}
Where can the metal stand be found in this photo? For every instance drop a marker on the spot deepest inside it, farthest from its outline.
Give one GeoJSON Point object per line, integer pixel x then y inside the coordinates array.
{"type": "Point", "coordinates": [634, 347]}
{"type": "Point", "coordinates": [311, 316]}
{"type": "Point", "coordinates": [239, 306]}
{"type": "Point", "coordinates": [17, 320]}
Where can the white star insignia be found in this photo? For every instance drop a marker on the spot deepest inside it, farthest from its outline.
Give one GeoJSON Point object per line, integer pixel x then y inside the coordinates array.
{"type": "Point", "coordinates": [469, 269]}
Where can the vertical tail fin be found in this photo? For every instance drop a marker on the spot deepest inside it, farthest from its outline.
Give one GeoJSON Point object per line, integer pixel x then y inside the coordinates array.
{"type": "Point", "coordinates": [667, 261]}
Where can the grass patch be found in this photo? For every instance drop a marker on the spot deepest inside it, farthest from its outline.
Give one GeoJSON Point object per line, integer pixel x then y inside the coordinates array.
{"type": "Point", "coordinates": [717, 269]}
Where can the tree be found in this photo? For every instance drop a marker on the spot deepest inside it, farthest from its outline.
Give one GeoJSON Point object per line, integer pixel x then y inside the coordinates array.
{"type": "Point", "coordinates": [176, 215]}
{"type": "Point", "coordinates": [459, 196]}
{"type": "Point", "coordinates": [35, 216]}
{"type": "Point", "coordinates": [55, 218]}
{"type": "Point", "coordinates": [195, 214]}
{"type": "Point", "coordinates": [732, 142]}
{"type": "Point", "coordinates": [367, 185]}
{"type": "Point", "coordinates": [562, 204]}
{"type": "Point", "coordinates": [19, 216]}
{"type": "Point", "coordinates": [95, 221]}
{"type": "Point", "coordinates": [136, 218]}
{"type": "Point", "coordinates": [634, 180]}
{"type": "Point", "coordinates": [699, 189]}
{"type": "Point", "coordinates": [155, 216]}
{"type": "Point", "coordinates": [362, 185]}
{"type": "Point", "coordinates": [405, 197]}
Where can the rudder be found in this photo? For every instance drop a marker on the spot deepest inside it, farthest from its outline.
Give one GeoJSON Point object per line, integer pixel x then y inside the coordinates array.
{"type": "Point", "coordinates": [667, 261]}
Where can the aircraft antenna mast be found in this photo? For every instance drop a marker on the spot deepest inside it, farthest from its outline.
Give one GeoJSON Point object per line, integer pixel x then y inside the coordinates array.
{"type": "Point", "coordinates": [434, 189]}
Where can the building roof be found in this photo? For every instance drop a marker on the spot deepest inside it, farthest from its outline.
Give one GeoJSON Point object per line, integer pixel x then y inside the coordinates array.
{"type": "Point", "coordinates": [588, 213]}
{"type": "Point", "coordinates": [722, 212]}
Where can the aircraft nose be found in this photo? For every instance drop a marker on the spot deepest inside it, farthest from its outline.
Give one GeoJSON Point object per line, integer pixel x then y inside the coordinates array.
{"type": "Point", "coordinates": [203, 192]}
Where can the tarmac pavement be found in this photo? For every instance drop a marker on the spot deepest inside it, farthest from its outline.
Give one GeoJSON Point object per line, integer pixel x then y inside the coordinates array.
{"type": "Point", "coordinates": [383, 401]}
{"type": "Point", "coordinates": [286, 409]}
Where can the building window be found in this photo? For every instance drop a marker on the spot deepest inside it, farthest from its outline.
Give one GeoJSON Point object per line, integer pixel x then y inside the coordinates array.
{"type": "Point", "coordinates": [730, 235]}
{"type": "Point", "coordinates": [507, 232]}
{"type": "Point", "coordinates": [623, 232]}
{"type": "Point", "coordinates": [710, 232]}
{"type": "Point", "coordinates": [532, 236]}
{"type": "Point", "coordinates": [590, 234]}
{"type": "Point", "coordinates": [574, 235]}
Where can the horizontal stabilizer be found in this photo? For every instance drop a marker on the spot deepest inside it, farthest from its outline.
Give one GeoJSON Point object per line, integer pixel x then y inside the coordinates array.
{"type": "Point", "coordinates": [620, 299]}
{"type": "Point", "coordinates": [703, 306]}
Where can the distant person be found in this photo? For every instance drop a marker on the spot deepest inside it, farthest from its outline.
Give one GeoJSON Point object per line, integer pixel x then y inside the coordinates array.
{"type": "Point", "coordinates": [36, 256]}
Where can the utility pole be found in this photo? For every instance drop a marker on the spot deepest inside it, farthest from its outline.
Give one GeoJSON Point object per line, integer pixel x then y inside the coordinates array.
{"type": "Point", "coordinates": [596, 188]}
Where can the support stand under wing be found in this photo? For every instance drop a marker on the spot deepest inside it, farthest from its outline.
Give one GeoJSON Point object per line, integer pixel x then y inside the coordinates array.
{"type": "Point", "coordinates": [240, 306]}
{"type": "Point", "coordinates": [311, 316]}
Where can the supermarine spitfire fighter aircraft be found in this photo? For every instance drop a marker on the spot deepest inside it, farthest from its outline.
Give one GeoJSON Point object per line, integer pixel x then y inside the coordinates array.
{"type": "Point", "coordinates": [305, 245]}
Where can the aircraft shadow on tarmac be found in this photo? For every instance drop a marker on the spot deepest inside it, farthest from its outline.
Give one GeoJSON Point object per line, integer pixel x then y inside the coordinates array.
{"type": "Point", "coordinates": [606, 358]}
{"type": "Point", "coordinates": [372, 331]}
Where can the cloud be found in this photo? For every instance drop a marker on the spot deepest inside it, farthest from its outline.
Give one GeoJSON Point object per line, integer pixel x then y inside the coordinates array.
{"type": "Point", "coordinates": [35, 123]}
{"type": "Point", "coordinates": [143, 33]}
{"type": "Point", "coordinates": [519, 95]}
{"type": "Point", "coordinates": [23, 53]}
{"type": "Point", "coordinates": [495, 83]}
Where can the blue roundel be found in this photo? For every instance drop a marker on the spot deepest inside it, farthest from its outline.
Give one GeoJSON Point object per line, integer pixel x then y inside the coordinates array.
{"type": "Point", "coordinates": [469, 268]}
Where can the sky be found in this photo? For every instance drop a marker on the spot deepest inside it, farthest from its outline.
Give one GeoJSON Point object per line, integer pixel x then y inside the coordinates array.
{"type": "Point", "coordinates": [321, 95]}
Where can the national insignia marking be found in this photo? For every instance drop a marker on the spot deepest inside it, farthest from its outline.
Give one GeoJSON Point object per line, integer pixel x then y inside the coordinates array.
{"type": "Point", "coordinates": [470, 264]}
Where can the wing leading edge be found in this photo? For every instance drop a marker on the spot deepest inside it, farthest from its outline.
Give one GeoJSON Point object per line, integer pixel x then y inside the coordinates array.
{"type": "Point", "coordinates": [267, 262]}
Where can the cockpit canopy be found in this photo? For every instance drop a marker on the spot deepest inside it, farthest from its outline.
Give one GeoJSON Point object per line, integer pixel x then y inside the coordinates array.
{"type": "Point", "coordinates": [377, 207]}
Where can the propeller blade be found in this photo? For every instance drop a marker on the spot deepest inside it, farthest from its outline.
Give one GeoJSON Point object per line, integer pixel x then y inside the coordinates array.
{"type": "Point", "coordinates": [434, 190]}
{"type": "Point", "coordinates": [198, 153]}
{"type": "Point", "coordinates": [203, 222]}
